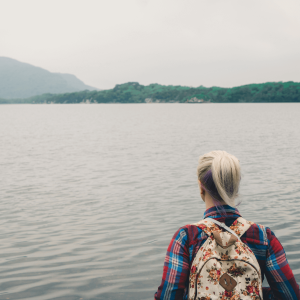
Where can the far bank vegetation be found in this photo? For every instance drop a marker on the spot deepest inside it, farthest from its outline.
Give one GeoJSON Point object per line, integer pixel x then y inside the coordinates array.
{"type": "Point", "coordinates": [133, 92]}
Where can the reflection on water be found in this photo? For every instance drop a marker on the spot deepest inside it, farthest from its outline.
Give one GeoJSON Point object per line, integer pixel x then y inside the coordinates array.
{"type": "Point", "coordinates": [92, 194]}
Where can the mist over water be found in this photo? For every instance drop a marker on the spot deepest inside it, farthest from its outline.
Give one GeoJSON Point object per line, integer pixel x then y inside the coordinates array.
{"type": "Point", "coordinates": [92, 194]}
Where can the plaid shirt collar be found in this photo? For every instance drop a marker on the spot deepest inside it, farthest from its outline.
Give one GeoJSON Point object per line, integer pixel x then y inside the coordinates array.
{"type": "Point", "coordinates": [212, 212]}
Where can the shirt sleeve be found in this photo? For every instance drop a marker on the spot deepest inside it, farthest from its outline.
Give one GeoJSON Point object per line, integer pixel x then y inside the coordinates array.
{"type": "Point", "coordinates": [176, 268]}
{"type": "Point", "coordinates": [280, 277]}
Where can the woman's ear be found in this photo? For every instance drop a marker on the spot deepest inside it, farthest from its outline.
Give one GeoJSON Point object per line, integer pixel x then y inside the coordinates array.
{"type": "Point", "coordinates": [202, 191]}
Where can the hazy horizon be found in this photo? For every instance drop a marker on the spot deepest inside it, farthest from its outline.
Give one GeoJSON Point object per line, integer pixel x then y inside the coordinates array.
{"type": "Point", "coordinates": [171, 42]}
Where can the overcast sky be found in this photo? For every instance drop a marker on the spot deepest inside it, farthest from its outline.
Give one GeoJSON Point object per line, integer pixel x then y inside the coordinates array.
{"type": "Point", "coordinates": [179, 42]}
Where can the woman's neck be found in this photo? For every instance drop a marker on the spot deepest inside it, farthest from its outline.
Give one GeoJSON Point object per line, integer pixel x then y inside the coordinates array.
{"type": "Point", "coordinates": [209, 202]}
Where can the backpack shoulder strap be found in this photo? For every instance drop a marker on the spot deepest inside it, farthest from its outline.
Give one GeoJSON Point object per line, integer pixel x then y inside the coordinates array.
{"type": "Point", "coordinates": [240, 226]}
{"type": "Point", "coordinates": [207, 226]}
{"type": "Point", "coordinates": [225, 227]}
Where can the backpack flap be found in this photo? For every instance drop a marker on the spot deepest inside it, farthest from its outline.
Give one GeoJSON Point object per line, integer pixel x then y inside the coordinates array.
{"type": "Point", "coordinates": [224, 239]}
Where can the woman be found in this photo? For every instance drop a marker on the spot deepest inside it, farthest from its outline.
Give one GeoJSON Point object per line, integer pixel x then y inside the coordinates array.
{"type": "Point", "coordinates": [219, 178]}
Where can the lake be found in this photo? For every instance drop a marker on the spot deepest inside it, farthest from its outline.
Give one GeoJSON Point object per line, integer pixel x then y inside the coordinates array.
{"type": "Point", "coordinates": [92, 194]}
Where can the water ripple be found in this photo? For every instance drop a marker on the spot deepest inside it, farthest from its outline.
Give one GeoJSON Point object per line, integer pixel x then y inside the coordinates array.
{"type": "Point", "coordinates": [92, 194]}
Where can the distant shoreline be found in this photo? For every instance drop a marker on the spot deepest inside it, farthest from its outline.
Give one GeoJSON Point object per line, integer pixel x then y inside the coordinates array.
{"type": "Point", "coordinates": [133, 92]}
{"type": "Point", "coordinates": [167, 103]}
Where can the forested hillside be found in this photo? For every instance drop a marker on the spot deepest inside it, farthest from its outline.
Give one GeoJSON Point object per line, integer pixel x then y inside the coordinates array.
{"type": "Point", "coordinates": [133, 92]}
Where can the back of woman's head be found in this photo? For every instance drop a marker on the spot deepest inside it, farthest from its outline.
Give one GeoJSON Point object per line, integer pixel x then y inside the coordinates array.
{"type": "Point", "coordinates": [219, 173]}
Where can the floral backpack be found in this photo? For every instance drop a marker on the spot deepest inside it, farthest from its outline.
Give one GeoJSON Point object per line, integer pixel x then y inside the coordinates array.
{"type": "Point", "coordinates": [224, 267]}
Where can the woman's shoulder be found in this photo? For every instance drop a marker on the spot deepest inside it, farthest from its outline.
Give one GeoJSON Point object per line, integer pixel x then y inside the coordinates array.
{"type": "Point", "coordinates": [190, 234]}
{"type": "Point", "coordinates": [258, 234]}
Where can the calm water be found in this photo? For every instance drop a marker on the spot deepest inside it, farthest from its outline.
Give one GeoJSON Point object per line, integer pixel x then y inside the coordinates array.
{"type": "Point", "coordinates": [92, 194]}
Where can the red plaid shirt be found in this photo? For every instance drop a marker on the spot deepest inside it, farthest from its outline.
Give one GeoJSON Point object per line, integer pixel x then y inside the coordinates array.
{"type": "Point", "coordinates": [261, 240]}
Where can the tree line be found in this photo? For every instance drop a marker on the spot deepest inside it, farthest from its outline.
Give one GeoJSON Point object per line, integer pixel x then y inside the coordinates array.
{"type": "Point", "coordinates": [133, 92]}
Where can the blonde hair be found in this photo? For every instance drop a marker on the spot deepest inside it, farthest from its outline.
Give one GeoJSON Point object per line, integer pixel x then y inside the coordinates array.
{"type": "Point", "coordinates": [220, 175]}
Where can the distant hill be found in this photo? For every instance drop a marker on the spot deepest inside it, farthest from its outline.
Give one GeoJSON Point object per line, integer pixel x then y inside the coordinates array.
{"type": "Point", "coordinates": [22, 80]}
{"type": "Point", "coordinates": [133, 92]}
